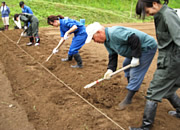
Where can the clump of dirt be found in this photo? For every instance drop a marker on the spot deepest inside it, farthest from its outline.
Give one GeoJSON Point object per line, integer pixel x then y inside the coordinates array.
{"type": "Point", "coordinates": [51, 66]}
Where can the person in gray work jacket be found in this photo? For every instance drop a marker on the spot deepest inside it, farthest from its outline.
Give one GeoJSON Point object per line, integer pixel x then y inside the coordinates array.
{"type": "Point", "coordinates": [166, 78]}
{"type": "Point", "coordinates": [138, 48]}
{"type": "Point", "coordinates": [32, 30]}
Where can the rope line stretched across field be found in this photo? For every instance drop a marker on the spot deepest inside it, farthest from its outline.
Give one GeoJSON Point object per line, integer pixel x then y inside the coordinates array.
{"type": "Point", "coordinates": [65, 84]}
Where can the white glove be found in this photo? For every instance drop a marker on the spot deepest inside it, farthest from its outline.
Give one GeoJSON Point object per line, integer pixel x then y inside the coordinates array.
{"type": "Point", "coordinates": [25, 27]}
{"type": "Point", "coordinates": [18, 23]}
{"type": "Point", "coordinates": [55, 50]}
{"type": "Point", "coordinates": [22, 34]}
{"type": "Point", "coordinates": [66, 36]}
{"type": "Point", "coordinates": [107, 75]}
{"type": "Point", "coordinates": [134, 62]}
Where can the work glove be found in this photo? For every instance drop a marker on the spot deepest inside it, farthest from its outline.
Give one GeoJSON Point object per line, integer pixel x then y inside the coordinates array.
{"type": "Point", "coordinates": [25, 27]}
{"type": "Point", "coordinates": [66, 36]}
{"type": "Point", "coordinates": [22, 34]}
{"type": "Point", "coordinates": [55, 50]}
{"type": "Point", "coordinates": [134, 62]}
{"type": "Point", "coordinates": [108, 73]}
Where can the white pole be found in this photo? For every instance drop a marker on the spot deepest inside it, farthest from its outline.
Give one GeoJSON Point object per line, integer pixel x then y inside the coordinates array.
{"type": "Point", "coordinates": [99, 80]}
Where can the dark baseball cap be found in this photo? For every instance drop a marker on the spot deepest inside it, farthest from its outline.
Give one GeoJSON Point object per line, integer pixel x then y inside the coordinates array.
{"type": "Point", "coordinates": [21, 3]}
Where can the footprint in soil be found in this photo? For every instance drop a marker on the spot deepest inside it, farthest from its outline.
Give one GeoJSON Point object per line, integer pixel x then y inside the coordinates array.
{"type": "Point", "coordinates": [105, 101]}
{"type": "Point", "coordinates": [51, 66]}
{"type": "Point", "coordinates": [57, 99]}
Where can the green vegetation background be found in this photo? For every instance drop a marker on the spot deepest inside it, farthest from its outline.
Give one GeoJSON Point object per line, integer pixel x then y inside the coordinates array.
{"type": "Point", "coordinates": [103, 11]}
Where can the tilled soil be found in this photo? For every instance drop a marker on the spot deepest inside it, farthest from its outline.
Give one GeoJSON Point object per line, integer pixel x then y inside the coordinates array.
{"type": "Point", "coordinates": [51, 95]}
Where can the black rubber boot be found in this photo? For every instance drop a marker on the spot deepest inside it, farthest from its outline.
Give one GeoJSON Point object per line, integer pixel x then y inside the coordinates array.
{"type": "Point", "coordinates": [175, 101]}
{"type": "Point", "coordinates": [69, 58]}
{"type": "Point", "coordinates": [78, 59]}
{"type": "Point", "coordinates": [31, 39]}
{"type": "Point", "coordinates": [127, 100]}
{"type": "Point", "coordinates": [149, 115]}
{"type": "Point", "coordinates": [37, 39]}
{"type": "Point", "coordinates": [5, 26]}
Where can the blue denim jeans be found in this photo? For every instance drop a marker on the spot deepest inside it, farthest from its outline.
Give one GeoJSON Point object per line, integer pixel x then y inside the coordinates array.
{"type": "Point", "coordinates": [136, 74]}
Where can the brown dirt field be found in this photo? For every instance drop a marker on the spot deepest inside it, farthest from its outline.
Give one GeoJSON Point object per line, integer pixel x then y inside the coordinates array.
{"type": "Point", "coordinates": [40, 101]}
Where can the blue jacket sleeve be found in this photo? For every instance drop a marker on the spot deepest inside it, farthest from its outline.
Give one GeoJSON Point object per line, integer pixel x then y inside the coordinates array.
{"type": "Point", "coordinates": [62, 33]}
{"type": "Point", "coordinates": [30, 11]}
{"type": "Point", "coordinates": [8, 10]}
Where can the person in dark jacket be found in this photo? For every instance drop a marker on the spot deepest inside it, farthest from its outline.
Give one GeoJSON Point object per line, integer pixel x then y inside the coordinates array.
{"type": "Point", "coordinates": [5, 11]}
{"type": "Point", "coordinates": [67, 27]}
{"type": "Point", "coordinates": [166, 79]}
{"type": "Point", "coordinates": [137, 47]}
{"type": "Point", "coordinates": [32, 30]}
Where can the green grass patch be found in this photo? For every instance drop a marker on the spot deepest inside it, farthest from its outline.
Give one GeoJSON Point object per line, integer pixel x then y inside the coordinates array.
{"type": "Point", "coordinates": [105, 12]}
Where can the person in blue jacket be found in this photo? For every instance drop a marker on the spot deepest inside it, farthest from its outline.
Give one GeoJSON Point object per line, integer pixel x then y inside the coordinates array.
{"type": "Point", "coordinates": [25, 9]}
{"type": "Point", "coordinates": [67, 27]}
{"type": "Point", "coordinates": [137, 47]}
{"type": "Point", "coordinates": [5, 11]}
